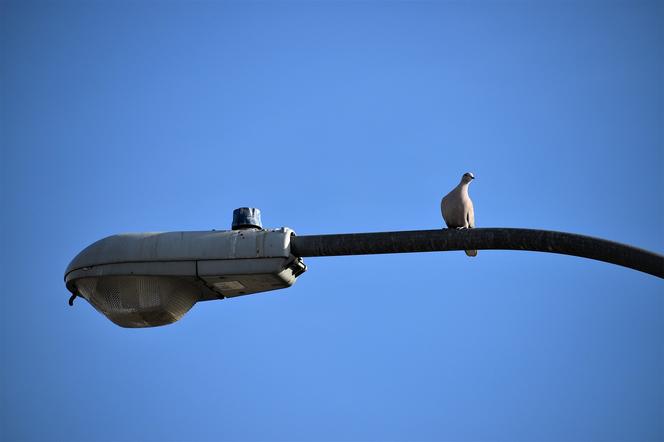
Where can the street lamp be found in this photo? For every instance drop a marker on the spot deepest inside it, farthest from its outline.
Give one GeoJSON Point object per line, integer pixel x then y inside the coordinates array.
{"type": "Point", "coordinates": [152, 279]}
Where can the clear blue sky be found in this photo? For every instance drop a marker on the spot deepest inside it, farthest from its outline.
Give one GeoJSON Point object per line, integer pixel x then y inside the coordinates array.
{"type": "Point", "coordinates": [336, 117]}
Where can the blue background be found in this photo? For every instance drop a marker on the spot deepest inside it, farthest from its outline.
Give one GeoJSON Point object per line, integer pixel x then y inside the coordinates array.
{"type": "Point", "coordinates": [337, 117]}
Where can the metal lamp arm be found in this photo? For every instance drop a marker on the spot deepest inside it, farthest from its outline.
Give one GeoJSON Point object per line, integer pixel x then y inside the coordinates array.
{"type": "Point", "coordinates": [480, 239]}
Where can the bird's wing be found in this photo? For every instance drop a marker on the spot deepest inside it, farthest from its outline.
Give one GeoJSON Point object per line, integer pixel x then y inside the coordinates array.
{"type": "Point", "coordinates": [444, 209]}
{"type": "Point", "coordinates": [470, 217]}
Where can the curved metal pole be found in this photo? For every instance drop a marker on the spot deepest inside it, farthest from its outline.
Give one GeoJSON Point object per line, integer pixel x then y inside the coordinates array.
{"type": "Point", "coordinates": [480, 239]}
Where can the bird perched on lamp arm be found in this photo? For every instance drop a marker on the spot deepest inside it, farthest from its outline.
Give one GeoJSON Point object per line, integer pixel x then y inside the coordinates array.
{"type": "Point", "coordinates": [457, 207]}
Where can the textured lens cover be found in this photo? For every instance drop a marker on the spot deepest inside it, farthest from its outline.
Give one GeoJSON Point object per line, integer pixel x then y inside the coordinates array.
{"type": "Point", "coordinates": [139, 301]}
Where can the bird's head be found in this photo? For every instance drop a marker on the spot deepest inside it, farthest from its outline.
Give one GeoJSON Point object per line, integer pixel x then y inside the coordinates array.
{"type": "Point", "coordinates": [467, 177]}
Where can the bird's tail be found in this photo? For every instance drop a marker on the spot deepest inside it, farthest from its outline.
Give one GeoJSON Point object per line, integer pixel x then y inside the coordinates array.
{"type": "Point", "coordinates": [471, 252]}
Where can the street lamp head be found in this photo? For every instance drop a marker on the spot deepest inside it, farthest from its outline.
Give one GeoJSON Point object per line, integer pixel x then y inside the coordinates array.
{"type": "Point", "coordinates": [152, 279]}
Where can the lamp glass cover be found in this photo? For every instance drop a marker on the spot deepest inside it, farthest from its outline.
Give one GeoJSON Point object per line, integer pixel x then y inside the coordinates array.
{"type": "Point", "coordinates": [139, 301]}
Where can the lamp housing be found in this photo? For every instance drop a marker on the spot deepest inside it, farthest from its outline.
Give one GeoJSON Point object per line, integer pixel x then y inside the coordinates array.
{"type": "Point", "coordinates": [152, 279]}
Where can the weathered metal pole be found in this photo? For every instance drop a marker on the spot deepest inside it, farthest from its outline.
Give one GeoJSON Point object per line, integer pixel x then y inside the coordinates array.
{"type": "Point", "coordinates": [480, 239]}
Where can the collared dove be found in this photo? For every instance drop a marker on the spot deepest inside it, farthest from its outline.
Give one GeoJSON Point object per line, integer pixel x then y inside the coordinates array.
{"type": "Point", "coordinates": [457, 208]}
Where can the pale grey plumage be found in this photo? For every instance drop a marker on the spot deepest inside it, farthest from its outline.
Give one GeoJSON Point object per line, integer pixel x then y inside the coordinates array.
{"type": "Point", "coordinates": [457, 208]}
